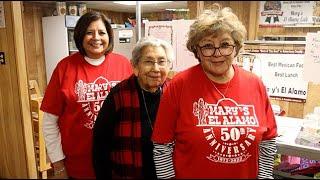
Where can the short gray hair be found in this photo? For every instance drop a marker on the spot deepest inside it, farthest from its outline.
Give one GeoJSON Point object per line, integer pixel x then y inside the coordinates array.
{"type": "Point", "coordinates": [151, 41]}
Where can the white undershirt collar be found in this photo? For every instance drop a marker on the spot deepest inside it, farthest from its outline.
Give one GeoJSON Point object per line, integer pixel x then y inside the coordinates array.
{"type": "Point", "coordinates": [95, 62]}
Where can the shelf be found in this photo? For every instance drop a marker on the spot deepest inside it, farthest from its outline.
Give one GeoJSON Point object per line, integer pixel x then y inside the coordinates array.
{"type": "Point", "coordinates": [298, 150]}
{"type": "Point", "coordinates": [289, 129]}
{"type": "Point", "coordinates": [301, 26]}
{"type": "Point", "coordinates": [275, 42]}
{"type": "Point", "coordinates": [288, 175]}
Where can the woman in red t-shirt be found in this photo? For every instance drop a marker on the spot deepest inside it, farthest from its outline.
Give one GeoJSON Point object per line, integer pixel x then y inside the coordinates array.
{"type": "Point", "coordinates": [214, 119]}
{"type": "Point", "coordinates": [75, 94]}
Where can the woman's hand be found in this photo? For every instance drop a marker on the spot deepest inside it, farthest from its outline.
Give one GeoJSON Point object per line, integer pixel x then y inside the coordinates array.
{"type": "Point", "coordinates": [60, 172]}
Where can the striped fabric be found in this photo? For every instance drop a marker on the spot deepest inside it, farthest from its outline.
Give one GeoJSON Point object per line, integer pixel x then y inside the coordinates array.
{"type": "Point", "coordinates": [162, 155]}
{"type": "Point", "coordinates": [267, 152]}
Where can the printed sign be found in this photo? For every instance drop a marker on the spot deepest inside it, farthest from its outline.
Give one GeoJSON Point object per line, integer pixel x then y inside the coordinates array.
{"type": "Point", "coordinates": [160, 29]}
{"type": "Point", "coordinates": [279, 13]}
{"type": "Point", "coordinates": [126, 33]}
{"type": "Point", "coordinates": [282, 75]}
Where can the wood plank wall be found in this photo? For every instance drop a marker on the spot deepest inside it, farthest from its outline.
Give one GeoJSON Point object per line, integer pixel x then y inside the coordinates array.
{"type": "Point", "coordinates": [32, 25]}
{"type": "Point", "coordinates": [116, 17]}
{"type": "Point", "coordinates": [14, 151]}
{"type": "Point", "coordinates": [247, 12]}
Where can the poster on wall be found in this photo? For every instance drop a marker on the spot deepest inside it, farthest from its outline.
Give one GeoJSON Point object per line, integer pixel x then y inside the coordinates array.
{"type": "Point", "coordinates": [163, 30]}
{"type": "Point", "coordinates": [282, 13]}
{"type": "Point", "coordinates": [282, 75]}
{"type": "Point", "coordinates": [2, 18]}
{"type": "Point", "coordinates": [185, 58]}
{"type": "Point", "coordinates": [176, 33]}
{"type": "Point", "coordinates": [160, 29]}
{"type": "Point", "coordinates": [312, 58]}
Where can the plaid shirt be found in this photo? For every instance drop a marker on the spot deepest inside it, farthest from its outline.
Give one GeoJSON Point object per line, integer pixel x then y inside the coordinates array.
{"type": "Point", "coordinates": [119, 120]}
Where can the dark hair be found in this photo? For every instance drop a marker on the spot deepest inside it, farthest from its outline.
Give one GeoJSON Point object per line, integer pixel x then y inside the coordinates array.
{"type": "Point", "coordinates": [82, 26]}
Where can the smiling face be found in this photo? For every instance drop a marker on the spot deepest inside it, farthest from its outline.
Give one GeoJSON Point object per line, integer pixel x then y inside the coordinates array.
{"type": "Point", "coordinates": [152, 68]}
{"type": "Point", "coordinates": [96, 40]}
{"type": "Point", "coordinates": [218, 65]}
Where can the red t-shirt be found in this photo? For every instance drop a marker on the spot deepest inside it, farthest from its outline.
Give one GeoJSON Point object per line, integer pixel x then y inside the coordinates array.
{"type": "Point", "coordinates": [75, 93]}
{"type": "Point", "coordinates": [215, 137]}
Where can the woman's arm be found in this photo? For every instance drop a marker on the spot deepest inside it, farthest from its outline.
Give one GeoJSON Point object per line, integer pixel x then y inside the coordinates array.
{"type": "Point", "coordinates": [162, 155]}
{"type": "Point", "coordinates": [267, 152]}
{"type": "Point", "coordinates": [52, 139]}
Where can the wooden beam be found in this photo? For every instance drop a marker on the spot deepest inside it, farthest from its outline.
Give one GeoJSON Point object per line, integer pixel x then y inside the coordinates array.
{"type": "Point", "coordinates": [200, 7]}
{"type": "Point", "coordinates": [253, 20]}
{"type": "Point", "coordinates": [16, 8]}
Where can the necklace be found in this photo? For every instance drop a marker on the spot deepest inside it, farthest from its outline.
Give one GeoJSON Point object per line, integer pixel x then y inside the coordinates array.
{"type": "Point", "coordinates": [145, 106]}
{"type": "Point", "coordinates": [225, 92]}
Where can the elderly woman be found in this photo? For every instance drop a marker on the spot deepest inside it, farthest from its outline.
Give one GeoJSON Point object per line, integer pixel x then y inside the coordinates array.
{"type": "Point", "coordinates": [215, 119]}
{"type": "Point", "coordinates": [122, 146]}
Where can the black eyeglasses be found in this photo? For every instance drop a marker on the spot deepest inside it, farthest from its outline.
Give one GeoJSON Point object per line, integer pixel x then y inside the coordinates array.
{"type": "Point", "coordinates": [209, 50]}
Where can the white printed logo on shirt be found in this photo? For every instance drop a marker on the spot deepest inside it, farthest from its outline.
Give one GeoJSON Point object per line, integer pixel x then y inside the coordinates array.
{"type": "Point", "coordinates": [91, 96]}
{"type": "Point", "coordinates": [229, 128]}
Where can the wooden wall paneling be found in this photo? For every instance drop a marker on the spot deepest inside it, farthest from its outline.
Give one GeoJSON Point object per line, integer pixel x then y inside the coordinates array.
{"type": "Point", "coordinates": [39, 56]}
{"type": "Point", "coordinates": [277, 31]}
{"type": "Point", "coordinates": [235, 6]}
{"type": "Point", "coordinates": [16, 153]}
{"type": "Point", "coordinates": [116, 17]}
{"type": "Point", "coordinates": [313, 98]}
{"type": "Point", "coordinates": [192, 6]}
{"type": "Point", "coordinates": [248, 22]}
{"type": "Point", "coordinates": [32, 27]}
{"type": "Point", "coordinates": [12, 151]}
{"type": "Point", "coordinates": [200, 7]}
{"type": "Point", "coordinates": [29, 38]}
{"type": "Point", "coordinates": [23, 86]}
{"type": "Point", "coordinates": [253, 20]}
{"type": "Point", "coordinates": [296, 109]}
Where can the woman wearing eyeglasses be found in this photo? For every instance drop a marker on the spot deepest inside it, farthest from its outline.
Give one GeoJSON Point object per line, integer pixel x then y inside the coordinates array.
{"type": "Point", "coordinates": [214, 119]}
{"type": "Point", "coordinates": [122, 146]}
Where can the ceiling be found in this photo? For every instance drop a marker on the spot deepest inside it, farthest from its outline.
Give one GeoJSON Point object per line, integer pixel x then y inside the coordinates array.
{"type": "Point", "coordinates": [110, 6]}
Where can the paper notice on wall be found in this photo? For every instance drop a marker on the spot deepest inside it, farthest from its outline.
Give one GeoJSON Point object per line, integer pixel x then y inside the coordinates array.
{"type": "Point", "coordinates": [312, 58]}
{"type": "Point", "coordinates": [282, 75]}
{"type": "Point", "coordinates": [2, 18]}
{"type": "Point", "coordinates": [126, 33]}
{"type": "Point", "coordinates": [176, 33]}
{"type": "Point", "coordinates": [160, 29]}
{"type": "Point", "coordinates": [298, 12]}
{"type": "Point", "coordinates": [185, 58]}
